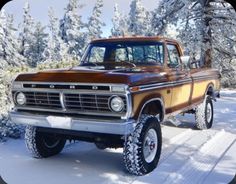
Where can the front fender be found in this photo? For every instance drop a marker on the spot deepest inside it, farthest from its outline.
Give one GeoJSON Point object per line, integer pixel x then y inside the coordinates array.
{"type": "Point", "coordinates": [145, 99]}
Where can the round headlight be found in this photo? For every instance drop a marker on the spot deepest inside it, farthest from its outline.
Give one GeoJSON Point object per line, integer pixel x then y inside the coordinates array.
{"type": "Point", "coordinates": [20, 99]}
{"type": "Point", "coordinates": [117, 104]}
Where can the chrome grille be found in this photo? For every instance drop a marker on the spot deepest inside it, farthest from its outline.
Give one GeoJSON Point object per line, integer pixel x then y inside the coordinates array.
{"type": "Point", "coordinates": [43, 100]}
{"type": "Point", "coordinates": [67, 102]}
{"type": "Point", "coordinates": [88, 102]}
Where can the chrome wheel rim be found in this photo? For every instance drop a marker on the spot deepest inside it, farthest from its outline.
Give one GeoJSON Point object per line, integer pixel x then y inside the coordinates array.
{"type": "Point", "coordinates": [209, 113]}
{"type": "Point", "coordinates": [150, 146]}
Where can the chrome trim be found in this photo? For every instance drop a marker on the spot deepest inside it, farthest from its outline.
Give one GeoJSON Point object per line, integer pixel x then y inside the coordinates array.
{"type": "Point", "coordinates": [129, 106]}
{"type": "Point", "coordinates": [96, 101]}
{"type": "Point", "coordinates": [111, 114]}
{"type": "Point", "coordinates": [170, 84]}
{"type": "Point", "coordinates": [124, 115]}
{"type": "Point", "coordinates": [62, 101]}
{"type": "Point", "coordinates": [204, 78]}
{"type": "Point", "coordinates": [68, 91]}
{"type": "Point", "coordinates": [14, 97]}
{"type": "Point", "coordinates": [163, 84]}
{"type": "Point", "coordinates": [118, 127]}
{"type": "Point", "coordinates": [151, 100]}
{"type": "Point", "coordinates": [109, 104]}
{"type": "Point", "coordinates": [74, 84]}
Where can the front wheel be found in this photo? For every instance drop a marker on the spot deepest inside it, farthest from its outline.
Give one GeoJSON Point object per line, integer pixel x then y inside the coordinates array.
{"type": "Point", "coordinates": [142, 148]}
{"type": "Point", "coordinates": [204, 114]}
{"type": "Point", "coordinates": [42, 144]}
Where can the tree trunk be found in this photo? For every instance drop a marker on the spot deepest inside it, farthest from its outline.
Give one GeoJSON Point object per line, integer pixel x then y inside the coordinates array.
{"type": "Point", "coordinates": [207, 47]}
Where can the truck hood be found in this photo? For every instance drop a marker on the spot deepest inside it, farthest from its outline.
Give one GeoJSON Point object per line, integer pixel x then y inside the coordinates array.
{"type": "Point", "coordinates": [130, 76]}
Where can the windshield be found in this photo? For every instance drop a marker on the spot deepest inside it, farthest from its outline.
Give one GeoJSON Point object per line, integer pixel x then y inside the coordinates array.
{"type": "Point", "coordinates": [134, 53]}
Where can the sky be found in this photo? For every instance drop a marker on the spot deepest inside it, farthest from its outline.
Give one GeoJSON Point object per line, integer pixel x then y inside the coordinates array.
{"type": "Point", "coordinates": [39, 9]}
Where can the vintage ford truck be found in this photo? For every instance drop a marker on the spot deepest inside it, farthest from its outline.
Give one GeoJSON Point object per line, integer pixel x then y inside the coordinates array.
{"type": "Point", "coordinates": [117, 96]}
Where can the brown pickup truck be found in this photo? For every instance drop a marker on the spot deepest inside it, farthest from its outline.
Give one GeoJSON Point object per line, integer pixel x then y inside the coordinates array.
{"type": "Point", "coordinates": [116, 97]}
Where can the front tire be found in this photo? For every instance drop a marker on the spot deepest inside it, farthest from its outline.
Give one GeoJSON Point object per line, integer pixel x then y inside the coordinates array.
{"type": "Point", "coordinates": [42, 144]}
{"type": "Point", "coordinates": [204, 114]}
{"type": "Point", "coordinates": [142, 148]}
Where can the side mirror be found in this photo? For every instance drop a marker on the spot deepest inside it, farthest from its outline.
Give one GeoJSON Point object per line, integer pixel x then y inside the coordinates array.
{"type": "Point", "coordinates": [186, 61]}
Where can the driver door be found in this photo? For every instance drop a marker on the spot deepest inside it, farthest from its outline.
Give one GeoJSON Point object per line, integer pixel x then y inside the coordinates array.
{"type": "Point", "coordinates": [180, 78]}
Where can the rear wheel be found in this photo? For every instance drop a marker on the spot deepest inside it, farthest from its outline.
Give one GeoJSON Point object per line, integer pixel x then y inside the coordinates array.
{"type": "Point", "coordinates": [100, 146]}
{"type": "Point", "coordinates": [204, 114]}
{"type": "Point", "coordinates": [42, 144]}
{"type": "Point", "coordinates": [142, 148]}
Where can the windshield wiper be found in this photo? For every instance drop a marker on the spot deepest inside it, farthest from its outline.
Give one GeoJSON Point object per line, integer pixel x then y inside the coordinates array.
{"type": "Point", "coordinates": [88, 64]}
{"type": "Point", "coordinates": [129, 63]}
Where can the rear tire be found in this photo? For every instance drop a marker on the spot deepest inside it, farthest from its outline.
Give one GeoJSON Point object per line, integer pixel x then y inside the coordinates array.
{"type": "Point", "coordinates": [142, 148]}
{"type": "Point", "coordinates": [42, 144]}
{"type": "Point", "coordinates": [100, 146]}
{"type": "Point", "coordinates": [204, 114]}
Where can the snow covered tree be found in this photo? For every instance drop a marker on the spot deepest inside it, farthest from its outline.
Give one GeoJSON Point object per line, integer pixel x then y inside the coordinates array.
{"type": "Point", "coordinates": [119, 21]}
{"type": "Point", "coordinates": [194, 20]}
{"type": "Point", "coordinates": [94, 25]}
{"type": "Point", "coordinates": [71, 27]}
{"type": "Point", "coordinates": [138, 19]}
{"type": "Point", "coordinates": [9, 47]}
{"type": "Point", "coordinates": [207, 29]}
{"type": "Point", "coordinates": [3, 62]}
{"type": "Point", "coordinates": [39, 44]}
{"type": "Point", "coordinates": [56, 49]}
{"type": "Point", "coordinates": [164, 15]}
{"type": "Point", "coordinates": [26, 33]}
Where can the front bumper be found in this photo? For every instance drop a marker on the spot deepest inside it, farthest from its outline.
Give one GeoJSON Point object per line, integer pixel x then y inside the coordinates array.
{"type": "Point", "coordinates": [117, 127]}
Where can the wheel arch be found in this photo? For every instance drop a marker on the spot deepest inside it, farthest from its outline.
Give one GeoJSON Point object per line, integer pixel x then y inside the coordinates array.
{"type": "Point", "coordinates": [153, 106]}
{"type": "Point", "coordinates": [210, 90]}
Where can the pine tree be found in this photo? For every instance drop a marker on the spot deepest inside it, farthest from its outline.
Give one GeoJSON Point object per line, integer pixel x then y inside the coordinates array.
{"type": "Point", "coordinates": [9, 47]}
{"type": "Point", "coordinates": [205, 28]}
{"type": "Point", "coordinates": [138, 19]}
{"type": "Point", "coordinates": [26, 33]}
{"type": "Point", "coordinates": [194, 20]}
{"type": "Point", "coordinates": [56, 49]}
{"type": "Point", "coordinates": [95, 23]}
{"type": "Point", "coordinates": [166, 13]}
{"type": "Point", "coordinates": [3, 61]}
{"type": "Point", "coordinates": [71, 27]}
{"type": "Point", "coordinates": [120, 26]}
{"type": "Point", "coordinates": [39, 44]}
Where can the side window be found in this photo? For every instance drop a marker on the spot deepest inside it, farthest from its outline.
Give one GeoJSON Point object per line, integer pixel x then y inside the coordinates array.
{"type": "Point", "coordinates": [173, 56]}
{"type": "Point", "coordinates": [154, 53]}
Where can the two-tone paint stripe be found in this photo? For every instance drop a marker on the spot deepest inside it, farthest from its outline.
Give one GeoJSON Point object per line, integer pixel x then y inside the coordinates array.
{"type": "Point", "coordinates": [163, 85]}
{"type": "Point", "coordinates": [201, 78]}
{"type": "Point", "coordinates": [172, 84]}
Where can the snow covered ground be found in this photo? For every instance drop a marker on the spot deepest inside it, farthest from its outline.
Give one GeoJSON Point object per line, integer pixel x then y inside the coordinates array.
{"type": "Point", "coordinates": [188, 156]}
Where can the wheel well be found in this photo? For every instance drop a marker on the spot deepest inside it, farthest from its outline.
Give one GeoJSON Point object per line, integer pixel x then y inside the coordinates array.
{"type": "Point", "coordinates": [154, 108]}
{"type": "Point", "coordinates": [210, 91]}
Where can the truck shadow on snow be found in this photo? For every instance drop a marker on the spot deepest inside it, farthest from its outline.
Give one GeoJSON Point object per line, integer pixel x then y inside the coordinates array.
{"type": "Point", "coordinates": [83, 163]}
{"type": "Point", "coordinates": [96, 166]}
{"type": "Point", "coordinates": [224, 116]}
